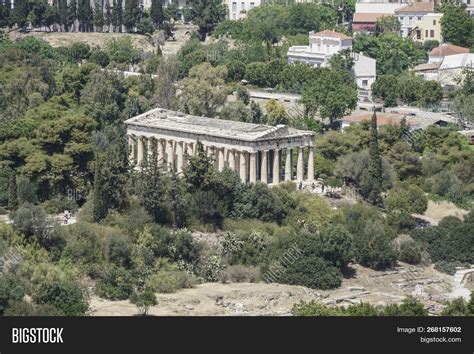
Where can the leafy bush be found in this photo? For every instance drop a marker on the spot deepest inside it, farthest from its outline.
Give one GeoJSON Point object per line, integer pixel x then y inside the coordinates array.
{"type": "Point", "coordinates": [169, 281]}
{"type": "Point", "coordinates": [449, 267]}
{"type": "Point", "coordinates": [410, 252]}
{"type": "Point", "coordinates": [409, 307]}
{"type": "Point", "coordinates": [240, 274]}
{"type": "Point", "coordinates": [59, 204]}
{"type": "Point", "coordinates": [459, 307]}
{"type": "Point", "coordinates": [66, 296]}
{"type": "Point", "coordinates": [116, 284]}
{"type": "Point", "coordinates": [312, 272]}
{"type": "Point", "coordinates": [143, 300]}
{"type": "Point", "coordinates": [11, 289]}
{"type": "Point", "coordinates": [24, 308]}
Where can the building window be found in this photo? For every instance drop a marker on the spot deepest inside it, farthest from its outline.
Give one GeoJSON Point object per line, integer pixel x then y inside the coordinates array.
{"type": "Point", "coordinates": [426, 33]}
{"type": "Point", "coordinates": [252, 4]}
{"type": "Point", "coordinates": [242, 6]}
{"type": "Point", "coordinates": [434, 22]}
{"type": "Point", "coordinates": [432, 33]}
{"type": "Point", "coordinates": [469, 2]}
{"type": "Point", "coordinates": [409, 32]}
{"type": "Point", "coordinates": [418, 34]}
{"type": "Point", "coordinates": [419, 18]}
{"type": "Point", "coordinates": [365, 82]}
{"type": "Point", "coordinates": [234, 7]}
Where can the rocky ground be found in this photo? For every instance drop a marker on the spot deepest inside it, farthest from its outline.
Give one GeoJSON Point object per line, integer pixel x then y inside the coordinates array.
{"type": "Point", "coordinates": [261, 299]}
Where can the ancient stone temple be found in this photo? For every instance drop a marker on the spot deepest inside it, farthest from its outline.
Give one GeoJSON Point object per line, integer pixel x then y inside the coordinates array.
{"type": "Point", "coordinates": [257, 152]}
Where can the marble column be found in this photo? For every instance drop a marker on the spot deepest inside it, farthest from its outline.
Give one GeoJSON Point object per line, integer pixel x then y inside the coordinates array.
{"type": "Point", "coordinates": [253, 167]}
{"type": "Point", "coordinates": [311, 163]}
{"type": "Point", "coordinates": [288, 172]}
{"type": "Point", "coordinates": [276, 166]}
{"type": "Point", "coordinates": [170, 155]}
{"type": "Point", "coordinates": [243, 166]}
{"type": "Point", "coordinates": [220, 159]}
{"type": "Point", "coordinates": [180, 157]}
{"type": "Point", "coordinates": [231, 160]}
{"type": "Point", "coordinates": [299, 165]}
{"type": "Point", "coordinates": [140, 149]}
{"type": "Point", "coordinates": [131, 151]}
{"type": "Point", "coordinates": [160, 147]}
{"type": "Point", "coordinates": [264, 167]}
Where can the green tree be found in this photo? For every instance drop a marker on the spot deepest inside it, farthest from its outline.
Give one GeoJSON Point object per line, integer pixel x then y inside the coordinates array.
{"type": "Point", "coordinates": [143, 300]}
{"type": "Point", "coordinates": [84, 15]}
{"type": "Point", "coordinates": [99, 21]}
{"type": "Point", "coordinates": [11, 289]}
{"type": "Point", "coordinates": [99, 202]}
{"type": "Point", "coordinates": [332, 94]}
{"type": "Point", "coordinates": [387, 24]}
{"type": "Point", "coordinates": [410, 306]}
{"type": "Point", "coordinates": [66, 296]}
{"type": "Point", "coordinates": [457, 26]}
{"type": "Point", "coordinates": [156, 13]}
{"type": "Point", "coordinates": [386, 88]}
{"type": "Point", "coordinates": [203, 91]}
{"type": "Point", "coordinates": [12, 192]}
{"type": "Point", "coordinates": [406, 198]}
{"type": "Point", "coordinates": [131, 15]}
{"type": "Point", "coordinates": [371, 185]}
{"type": "Point", "coordinates": [206, 14]}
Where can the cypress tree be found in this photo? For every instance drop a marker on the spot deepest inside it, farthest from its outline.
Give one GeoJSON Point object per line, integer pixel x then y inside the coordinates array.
{"type": "Point", "coordinates": [98, 16]}
{"type": "Point", "coordinates": [132, 14]}
{"type": "Point", "coordinates": [12, 192]}
{"type": "Point", "coordinates": [373, 183]}
{"type": "Point", "coordinates": [99, 203]}
{"type": "Point", "coordinates": [108, 15]}
{"type": "Point", "coordinates": [156, 13]}
{"type": "Point", "coordinates": [20, 13]}
{"type": "Point", "coordinates": [72, 14]}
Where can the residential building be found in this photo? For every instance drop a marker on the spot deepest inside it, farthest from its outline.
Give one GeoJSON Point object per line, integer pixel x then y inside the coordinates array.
{"type": "Point", "coordinates": [428, 28]}
{"type": "Point", "coordinates": [449, 71]}
{"type": "Point", "coordinates": [367, 12]}
{"type": "Point", "coordinates": [323, 45]}
{"type": "Point", "coordinates": [437, 54]}
{"type": "Point", "coordinates": [238, 9]}
{"type": "Point", "coordinates": [409, 15]}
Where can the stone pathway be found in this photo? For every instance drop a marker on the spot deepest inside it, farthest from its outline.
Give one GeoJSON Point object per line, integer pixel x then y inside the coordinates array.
{"type": "Point", "coordinates": [459, 284]}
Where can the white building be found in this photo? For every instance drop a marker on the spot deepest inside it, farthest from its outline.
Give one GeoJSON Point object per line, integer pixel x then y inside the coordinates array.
{"type": "Point", "coordinates": [256, 152]}
{"type": "Point", "coordinates": [409, 15]}
{"type": "Point", "coordinates": [237, 9]}
{"type": "Point", "coordinates": [323, 45]}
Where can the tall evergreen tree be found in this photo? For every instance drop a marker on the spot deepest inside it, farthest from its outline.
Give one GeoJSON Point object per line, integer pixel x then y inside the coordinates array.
{"type": "Point", "coordinates": [72, 14]}
{"type": "Point", "coordinates": [98, 16]}
{"type": "Point", "coordinates": [108, 15]}
{"type": "Point", "coordinates": [131, 15]}
{"type": "Point", "coordinates": [84, 15]}
{"type": "Point", "coordinates": [117, 15]}
{"type": "Point", "coordinates": [12, 192]}
{"type": "Point", "coordinates": [372, 182]}
{"type": "Point", "coordinates": [99, 202]}
{"type": "Point", "coordinates": [20, 13]}
{"type": "Point", "coordinates": [63, 15]}
{"type": "Point", "coordinates": [156, 13]}
{"type": "Point", "coordinates": [5, 13]}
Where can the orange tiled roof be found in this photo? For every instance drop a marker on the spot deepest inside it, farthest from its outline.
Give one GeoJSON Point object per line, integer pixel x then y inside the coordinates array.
{"type": "Point", "coordinates": [416, 7]}
{"type": "Point", "coordinates": [329, 33]}
{"type": "Point", "coordinates": [448, 49]}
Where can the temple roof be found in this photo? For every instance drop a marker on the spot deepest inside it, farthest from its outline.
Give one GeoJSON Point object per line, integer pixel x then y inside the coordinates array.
{"type": "Point", "coordinates": [181, 122]}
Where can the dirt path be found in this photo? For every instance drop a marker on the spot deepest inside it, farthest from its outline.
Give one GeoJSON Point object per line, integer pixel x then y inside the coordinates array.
{"type": "Point", "coordinates": [261, 299]}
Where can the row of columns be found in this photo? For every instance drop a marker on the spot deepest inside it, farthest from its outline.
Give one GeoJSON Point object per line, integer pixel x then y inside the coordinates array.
{"type": "Point", "coordinates": [263, 165]}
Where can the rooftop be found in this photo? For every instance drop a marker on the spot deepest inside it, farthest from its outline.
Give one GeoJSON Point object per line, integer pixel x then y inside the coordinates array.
{"type": "Point", "coordinates": [368, 17]}
{"type": "Point", "coordinates": [448, 49]}
{"type": "Point", "coordinates": [416, 7]}
{"type": "Point", "coordinates": [329, 33]}
{"type": "Point", "coordinates": [177, 121]}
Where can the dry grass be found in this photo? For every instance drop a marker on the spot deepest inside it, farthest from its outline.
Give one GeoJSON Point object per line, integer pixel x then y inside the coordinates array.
{"type": "Point", "coordinates": [438, 210]}
{"type": "Point", "coordinates": [58, 39]}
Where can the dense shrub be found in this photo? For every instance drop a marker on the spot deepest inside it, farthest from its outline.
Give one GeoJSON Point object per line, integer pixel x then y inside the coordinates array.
{"type": "Point", "coordinates": [169, 281]}
{"type": "Point", "coordinates": [59, 204]}
{"type": "Point", "coordinates": [25, 308]}
{"type": "Point", "coordinates": [116, 284]}
{"type": "Point", "coordinates": [312, 272]}
{"type": "Point", "coordinates": [410, 252]}
{"type": "Point", "coordinates": [11, 289]}
{"type": "Point", "coordinates": [66, 296]}
{"type": "Point", "coordinates": [240, 274]}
